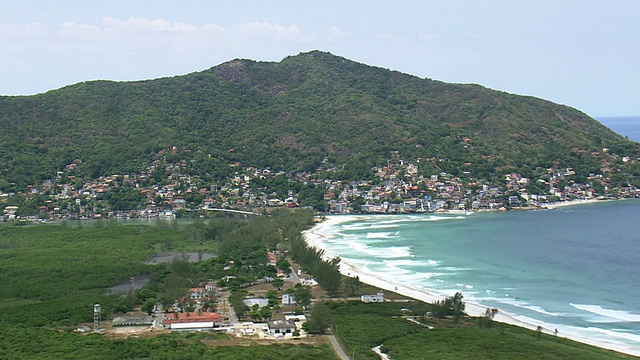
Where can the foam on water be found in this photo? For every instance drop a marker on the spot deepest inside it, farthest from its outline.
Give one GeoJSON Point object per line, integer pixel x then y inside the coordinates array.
{"type": "Point", "coordinates": [442, 218]}
{"type": "Point", "coordinates": [403, 262]}
{"type": "Point", "coordinates": [355, 227]}
{"type": "Point", "coordinates": [387, 226]}
{"type": "Point", "coordinates": [524, 305]}
{"type": "Point", "coordinates": [395, 270]}
{"type": "Point", "coordinates": [400, 251]}
{"type": "Point", "coordinates": [545, 268]}
{"type": "Point", "coordinates": [381, 235]}
{"type": "Point", "coordinates": [608, 314]}
{"type": "Point", "coordinates": [381, 252]}
{"type": "Point", "coordinates": [428, 276]}
{"type": "Point", "coordinates": [395, 221]}
{"type": "Point", "coordinates": [466, 286]}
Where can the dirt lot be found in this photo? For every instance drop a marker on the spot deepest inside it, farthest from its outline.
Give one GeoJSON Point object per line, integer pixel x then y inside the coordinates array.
{"type": "Point", "coordinates": [232, 340]}
{"type": "Point", "coordinates": [123, 332]}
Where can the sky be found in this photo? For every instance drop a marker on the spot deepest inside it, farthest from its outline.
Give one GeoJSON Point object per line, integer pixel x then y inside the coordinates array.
{"type": "Point", "coordinates": [581, 53]}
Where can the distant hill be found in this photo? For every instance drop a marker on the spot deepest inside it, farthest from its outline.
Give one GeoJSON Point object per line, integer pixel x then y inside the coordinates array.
{"type": "Point", "coordinates": [296, 115]}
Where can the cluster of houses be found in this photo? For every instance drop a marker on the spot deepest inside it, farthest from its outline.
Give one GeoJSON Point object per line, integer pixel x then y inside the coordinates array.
{"type": "Point", "coordinates": [398, 187]}
{"type": "Point", "coordinates": [206, 308]}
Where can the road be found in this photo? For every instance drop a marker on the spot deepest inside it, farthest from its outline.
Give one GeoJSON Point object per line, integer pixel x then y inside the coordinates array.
{"type": "Point", "coordinates": [225, 308]}
{"type": "Point", "coordinates": [294, 277]}
{"type": "Point", "coordinates": [337, 348]}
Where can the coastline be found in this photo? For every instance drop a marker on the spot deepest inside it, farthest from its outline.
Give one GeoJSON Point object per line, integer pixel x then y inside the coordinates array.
{"type": "Point", "coordinates": [315, 238]}
{"type": "Point", "coordinates": [559, 204]}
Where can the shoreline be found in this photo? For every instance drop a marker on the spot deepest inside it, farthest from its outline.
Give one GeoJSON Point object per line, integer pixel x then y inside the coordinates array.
{"type": "Point", "coordinates": [315, 238]}
{"type": "Point", "coordinates": [559, 204]}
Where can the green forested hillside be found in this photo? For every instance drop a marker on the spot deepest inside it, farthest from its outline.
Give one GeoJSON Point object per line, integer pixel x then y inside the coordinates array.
{"type": "Point", "coordinates": [291, 116]}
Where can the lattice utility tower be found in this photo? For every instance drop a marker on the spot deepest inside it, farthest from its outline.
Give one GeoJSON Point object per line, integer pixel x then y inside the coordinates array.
{"type": "Point", "coordinates": [96, 318]}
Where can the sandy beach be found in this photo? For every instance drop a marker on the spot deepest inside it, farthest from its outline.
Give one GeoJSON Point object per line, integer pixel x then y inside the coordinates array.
{"type": "Point", "coordinates": [555, 205]}
{"type": "Point", "coordinates": [315, 238]}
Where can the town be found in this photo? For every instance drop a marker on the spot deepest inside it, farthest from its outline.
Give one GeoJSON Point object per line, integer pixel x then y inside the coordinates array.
{"type": "Point", "coordinates": [170, 187]}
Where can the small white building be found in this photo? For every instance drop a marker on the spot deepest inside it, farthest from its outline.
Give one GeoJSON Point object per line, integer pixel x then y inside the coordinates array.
{"type": "Point", "coordinates": [379, 297]}
{"type": "Point", "coordinates": [294, 317]}
{"type": "Point", "coordinates": [279, 328]}
{"type": "Point", "coordinates": [262, 302]}
{"type": "Point", "coordinates": [288, 299]}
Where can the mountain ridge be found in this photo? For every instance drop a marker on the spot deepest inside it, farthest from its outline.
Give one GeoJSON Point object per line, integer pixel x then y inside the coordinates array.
{"type": "Point", "coordinates": [292, 115]}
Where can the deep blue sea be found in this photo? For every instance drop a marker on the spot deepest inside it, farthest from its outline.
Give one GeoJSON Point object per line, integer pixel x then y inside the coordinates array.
{"type": "Point", "coordinates": [628, 126]}
{"type": "Point", "coordinates": [575, 269]}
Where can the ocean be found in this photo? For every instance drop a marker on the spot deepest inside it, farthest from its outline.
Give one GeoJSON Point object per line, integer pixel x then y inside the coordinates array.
{"type": "Point", "coordinates": [628, 126]}
{"type": "Point", "coordinates": [575, 269]}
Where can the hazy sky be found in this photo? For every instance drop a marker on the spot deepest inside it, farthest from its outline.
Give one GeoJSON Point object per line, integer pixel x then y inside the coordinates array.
{"type": "Point", "coordinates": [582, 53]}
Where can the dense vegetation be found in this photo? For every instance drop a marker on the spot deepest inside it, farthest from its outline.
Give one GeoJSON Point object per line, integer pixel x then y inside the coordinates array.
{"type": "Point", "coordinates": [295, 115]}
{"type": "Point", "coordinates": [51, 275]}
{"type": "Point", "coordinates": [363, 326]}
{"type": "Point", "coordinates": [46, 344]}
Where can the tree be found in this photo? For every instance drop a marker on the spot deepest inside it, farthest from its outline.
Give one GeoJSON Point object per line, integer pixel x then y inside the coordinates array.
{"type": "Point", "coordinates": [148, 305]}
{"type": "Point", "coordinates": [265, 313]}
{"type": "Point", "coordinates": [328, 275]}
{"type": "Point", "coordinates": [302, 295]}
{"type": "Point", "coordinates": [283, 265]}
{"type": "Point", "coordinates": [254, 314]}
{"type": "Point", "coordinates": [319, 320]}
{"type": "Point", "coordinates": [352, 285]}
{"type": "Point", "coordinates": [452, 305]}
{"type": "Point", "coordinates": [277, 283]}
{"type": "Point", "coordinates": [273, 299]}
{"type": "Point", "coordinates": [489, 314]}
{"type": "Point", "coordinates": [457, 304]}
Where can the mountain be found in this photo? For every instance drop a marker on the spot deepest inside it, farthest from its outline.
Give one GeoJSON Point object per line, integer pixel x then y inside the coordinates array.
{"type": "Point", "coordinates": [303, 112]}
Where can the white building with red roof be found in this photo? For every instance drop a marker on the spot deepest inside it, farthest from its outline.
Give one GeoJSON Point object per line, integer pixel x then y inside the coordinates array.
{"type": "Point", "coordinates": [192, 321]}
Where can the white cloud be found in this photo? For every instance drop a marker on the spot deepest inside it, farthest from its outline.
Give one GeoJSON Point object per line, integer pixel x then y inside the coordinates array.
{"type": "Point", "coordinates": [213, 28]}
{"type": "Point", "coordinates": [73, 30]}
{"type": "Point", "coordinates": [271, 32]}
{"type": "Point", "coordinates": [137, 25]}
{"type": "Point", "coordinates": [338, 33]}
{"type": "Point", "coordinates": [263, 28]}
{"type": "Point", "coordinates": [155, 35]}
{"type": "Point", "coordinates": [134, 48]}
{"type": "Point", "coordinates": [385, 37]}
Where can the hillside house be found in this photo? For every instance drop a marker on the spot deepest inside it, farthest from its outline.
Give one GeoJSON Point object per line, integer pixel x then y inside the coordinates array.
{"type": "Point", "coordinates": [197, 293]}
{"type": "Point", "coordinates": [271, 257]}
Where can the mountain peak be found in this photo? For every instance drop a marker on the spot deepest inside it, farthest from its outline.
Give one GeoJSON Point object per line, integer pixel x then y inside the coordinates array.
{"type": "Point", "coordinates": [297, 114]}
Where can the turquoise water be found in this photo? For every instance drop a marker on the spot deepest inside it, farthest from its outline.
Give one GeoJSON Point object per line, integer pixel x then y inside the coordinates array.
{"type": "Point", "coordinates": [575, 269]}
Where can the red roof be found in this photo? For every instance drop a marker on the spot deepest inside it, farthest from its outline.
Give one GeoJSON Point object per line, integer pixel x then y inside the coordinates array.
{"type": "Point", "coordinates": [193, 317]}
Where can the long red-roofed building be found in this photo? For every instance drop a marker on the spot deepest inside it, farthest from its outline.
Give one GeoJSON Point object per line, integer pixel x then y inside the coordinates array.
{"type": "Point", "coordinates": [192, 321]}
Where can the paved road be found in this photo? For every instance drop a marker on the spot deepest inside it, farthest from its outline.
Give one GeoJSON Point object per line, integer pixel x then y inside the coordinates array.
{"type": "Point", "coordinates": [337, 348]}
{"type": "Point", "coordinates": [294, 277]}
